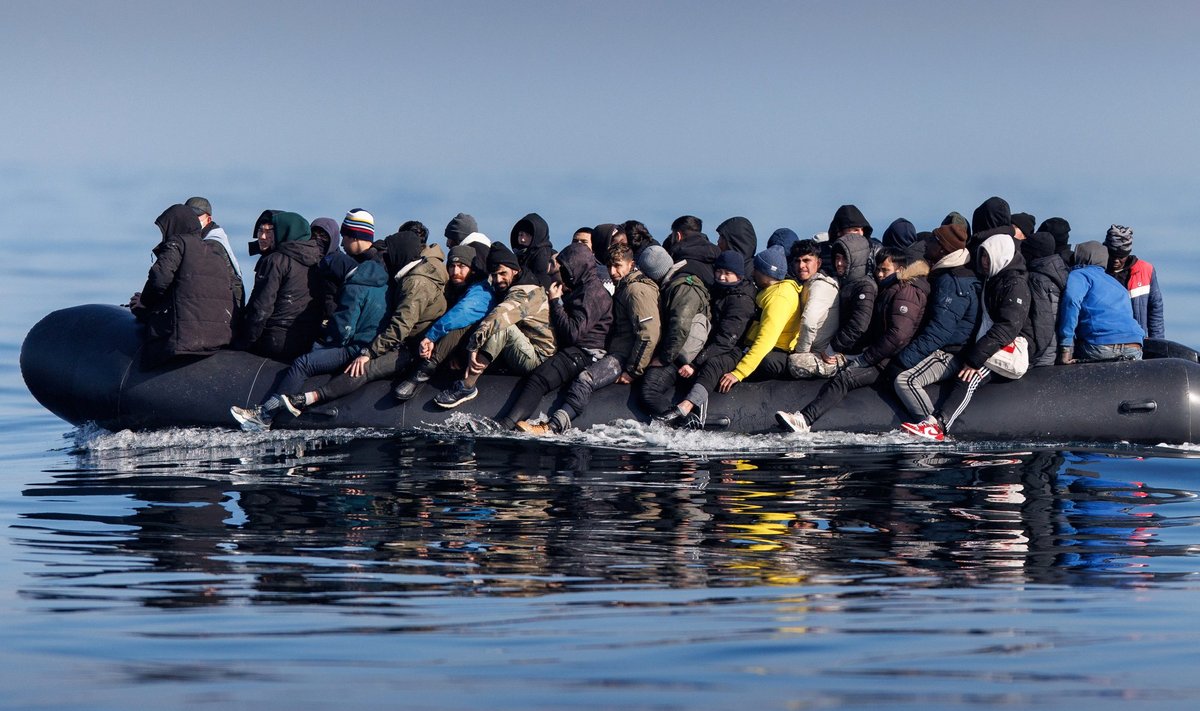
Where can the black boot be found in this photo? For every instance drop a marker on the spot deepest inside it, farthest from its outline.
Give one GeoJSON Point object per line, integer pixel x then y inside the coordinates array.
{"type": "Point", "coordinates": [405, 389]}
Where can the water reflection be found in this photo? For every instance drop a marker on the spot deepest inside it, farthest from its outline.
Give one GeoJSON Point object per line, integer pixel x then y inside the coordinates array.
{"type": "Point", "coordinates": [367, 521]}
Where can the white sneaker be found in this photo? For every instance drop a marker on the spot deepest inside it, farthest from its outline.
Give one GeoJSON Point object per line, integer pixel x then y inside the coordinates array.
{"type": "Point", "coordinates": [793, 421]}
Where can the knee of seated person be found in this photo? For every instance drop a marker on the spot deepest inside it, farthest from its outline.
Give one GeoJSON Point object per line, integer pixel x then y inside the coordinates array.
{"type": "Point", "coordinates": [586, 378]}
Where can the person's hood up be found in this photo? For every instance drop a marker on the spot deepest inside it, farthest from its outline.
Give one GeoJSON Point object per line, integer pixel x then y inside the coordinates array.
{"type": "Point", "coordinates": [1091, 254]}
{"type": "Point", "coordinates": [459, 228]}
{"type": "Point", "coordinates": [739, 236]}
{"type": "Point", "coordinates": [306, 252]}
{"type": "Point", "coordinates": [1038, 245]}
{"type": "Point", "coordinates": [1061, 229]}
{"type": "Point", "coordinates": [178, 220]}
{"type": "Point", "coordinates": [848, 216]}
{"type": "Point", "coordinates": [857, 250]}
{"type": "Point", "coordinates": [1002, 254]}
{"type": "Point", "coordinates": [577, 265]}
{"type": "Point", "coordinates": [332, 229]}
{"type": "Point", "coordinates": [263, 219]}
{"type": "Point", "coordinates": [697, 255]}
{"type": "Point", "coordinates": [900, 233]}
{"type": "Point", "coordinates": [602, 235]}
{"type": "Point", "coordinates": [534, 225]}
{"type": "Point", "coordinates": [290, 227]}
{"type": "Point", "coordinates": [402, 248]}
{"type": "Point", "coordinates": [992, 213]}
{"type": "Point", "coordinates": [784, 237]}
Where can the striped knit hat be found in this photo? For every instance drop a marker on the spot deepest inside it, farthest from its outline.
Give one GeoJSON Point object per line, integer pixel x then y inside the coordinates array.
{"type": "Point", "coordinates": [359, 224]}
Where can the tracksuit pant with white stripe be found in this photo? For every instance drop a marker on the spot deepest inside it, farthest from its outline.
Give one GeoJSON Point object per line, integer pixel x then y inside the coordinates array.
{"type": "Point", "coordinates": [936, 367]}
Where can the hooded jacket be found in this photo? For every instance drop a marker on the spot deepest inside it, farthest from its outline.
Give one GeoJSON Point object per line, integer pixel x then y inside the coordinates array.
{"type": "Point", "coordinates": [686, 316]}
{"type": "Point", "coordinates": [1095, 307]}
{"type": "Point", "coordinates": [1005, 303]}
{"type": "Point", "coordinates": [213, 232]}
{"type": "Point", "coordinates": [903, 236]}
{"type": "Point", "coordinates": [857, 291]}
{"type": "Point", "coordinates": [739, 236]}
{"type": "Point", "coordinates": [361, 302]}
{"type": "Point", "coordinates": [899, 313]}
{"type": "Point", "coordinates": [417, 296]}
{"type": "Point", "coordinates": [819, 313]}
{"type": "Point", "coordinates": [1047, 278]}
{"type": "Point", "coordinates": [848, 216]}
{"type": "Point", "coordinates": [186, 302]}
{"type": "Point", "coordinates": [733, 310]}
{"type": "Point", "coordinates": [328, 281]}
{"type": "Point", "coordinates": [778, 325]}
{"type": "Point", "coordinates": [637, 324]}
{"type": "Point", "coordinates": [583, 316]}
{"type": "Point", "coordinates": [525, 306]}
{"type": "Point", "coordinates": [282, 320]}
{"type": "Point", "coordinates": [952, 309]}
{"type": "Point", "coordinates": [535, 258]}
{"type": "Point", "coordinates": [699, 254]}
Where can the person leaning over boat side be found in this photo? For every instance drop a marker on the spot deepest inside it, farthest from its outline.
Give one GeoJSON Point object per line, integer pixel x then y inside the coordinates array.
{"type": "Point", "coordinates": [684, 302]}
{"type": "Point", "coordinates": [1047, 279]}
{"type": "Point", "coordinates": [898, 314]}
{"type": "Point", "coordinates": [1004, 308]}
{"type": "Point", "coordinates": [469, 297]}
{"type": "Point", "coordinates": [282, 319]}
{"type": "Point", "coordinates": [1096, 321]}
{"type": "Point", "coordinates": [1139, 277]}
{"type": "Point", "coordinates": [733, 309]}
{"type": "Point", "coordinates": [631, 341]}
{"type": "Point", "coordinates": [415, 300]}
{"type": "Point", "coordinates": [361, 310]}
{"type": "Point", "coordinates": [819, 313]}
{"type": "Point", "coordinates": [581, 313]}
{"type": "Point", "coordinates": [952, 314]}
{"type": "Point", "coordinates": [856, 292]}
{"type": "Point", "coordinates": [516, 331]}
{"type": "Point", "coordinates": [186, 303]}
{"type": "Point", "coordinates": [210, 230]}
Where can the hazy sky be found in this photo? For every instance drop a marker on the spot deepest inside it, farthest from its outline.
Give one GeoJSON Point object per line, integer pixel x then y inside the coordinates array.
{"type": "Point", "coordinates": [591, 112]}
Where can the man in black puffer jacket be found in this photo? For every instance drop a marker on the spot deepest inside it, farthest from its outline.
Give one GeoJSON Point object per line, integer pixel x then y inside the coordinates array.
{"type": "Point", "coordinates": [186, 302]}
{"type": "Point", "coordinates": [282, 320]}
{"type": "Point", "coordinates": [1047, 279]}
{"type": "Point", "coordinates": [581, 315]}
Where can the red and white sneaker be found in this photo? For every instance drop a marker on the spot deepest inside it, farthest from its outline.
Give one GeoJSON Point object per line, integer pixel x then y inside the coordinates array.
{"type": "Point", "coordinates": [926, 430]}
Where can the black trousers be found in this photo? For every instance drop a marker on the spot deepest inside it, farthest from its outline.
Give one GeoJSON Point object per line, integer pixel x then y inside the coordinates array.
{"type": "Point", "coordinates": [560, 368]}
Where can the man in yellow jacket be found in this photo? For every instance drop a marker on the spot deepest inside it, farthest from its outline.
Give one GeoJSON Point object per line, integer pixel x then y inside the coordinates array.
{"type": "Point", "coordinates": [773, 336]}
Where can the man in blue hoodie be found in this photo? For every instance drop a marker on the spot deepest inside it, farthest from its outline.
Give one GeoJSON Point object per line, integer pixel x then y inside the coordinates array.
{"type": "Point", "coordinates": [1095, 311]}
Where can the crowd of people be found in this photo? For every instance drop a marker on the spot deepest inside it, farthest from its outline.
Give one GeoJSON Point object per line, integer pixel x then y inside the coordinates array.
{"type": "Point", "coordinates": [973, 301]}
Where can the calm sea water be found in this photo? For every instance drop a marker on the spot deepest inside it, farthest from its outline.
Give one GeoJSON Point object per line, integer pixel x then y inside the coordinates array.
{"type": "Point", "coordinates": [623, 568]}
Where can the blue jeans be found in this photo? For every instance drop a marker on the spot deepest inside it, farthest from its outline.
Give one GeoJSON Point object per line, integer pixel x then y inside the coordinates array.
{"type": "Point", "coordinates": [316, 362]}
{"type": "Point", "coordinates": [1120, 351]}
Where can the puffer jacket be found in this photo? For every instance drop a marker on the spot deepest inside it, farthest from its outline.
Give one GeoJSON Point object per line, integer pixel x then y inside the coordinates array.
{"type": "Point", "coordinates": [534, 258]}
{"type": "Point", "coordinates": [819, 313]}
{"type": "Point", "coordinates": [419, 299]}
{"type": "Point", "coordinates": [361, 303]}
{"type": "Point", "coordinates": [687, 317]}
{"type": "Point", "coordinates": [1141, 279]}
{"type": "Point", "coordinates": [282, 319]}
{"type": "Point", "coordinates": [637, 324]}
{"type": "Point", "coordinates": [739, 236]}
{"type": "Point", "coordinates": [952, 310]}
{"type": "Point", "coordinates": [1005, 302]}
{"type": "Point", "coordinates": [186, 304]}
{"type": "Point", "coordinates": [1047, 278]}
{"type": "Point", "coordinates": [899, 313]}
{"type": "Point", "coordinates": [857, 291]}
{"type": "Point", "coordinates": [583, 316]}
{"type": "Point", "coordinates": [733, 311]}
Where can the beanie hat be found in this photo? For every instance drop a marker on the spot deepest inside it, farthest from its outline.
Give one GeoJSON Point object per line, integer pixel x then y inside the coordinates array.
{"type": "Point", "coordinates": [1039, 244]}
{"type": "Point", "coordinates": [784, 237]}
{"type": "Point", "coordinates": [459, 228]}
{"type": "Point", "coordinates": [1060, 228]}
{"type": "Point", "coordinates": [655, 262]}
{"type": "Point", "coordinates": [952, 237]}
{"type": "Point", "coordinates": [199, 205]}
{"type": "Point", "coordinates": [1119, 239]}
{"type": "Point", "coordinates": [501, 256]}
{"type": "Point", "coordinates": [462, 254]}
{"type": "Point", "coordinates": [954, 218]}
{"type": "Point", "coordinates": [732, 261]}
{"type": "Point", "coordinates": [771, 262]}
{"type": "Point", "coordinates": [1024, 221]}
{"type": "Point", "coordinates": [359, 224]}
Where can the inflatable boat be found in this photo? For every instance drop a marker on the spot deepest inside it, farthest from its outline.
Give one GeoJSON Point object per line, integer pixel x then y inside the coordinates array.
{"type": "Point", "coordinates": [82, 364]}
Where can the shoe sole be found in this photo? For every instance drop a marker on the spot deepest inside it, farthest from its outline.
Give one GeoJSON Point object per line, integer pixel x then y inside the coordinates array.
{"type": "Point", "coordinates": [287, 404]}
{"type": "Point", "coordinates": [783, 422]}
{"type": "Point", "coordinates": [246, 423]}
{"type": "Point", "coordinates": [456, 403]}
{"type": "Point", "coordinates": [921, 435]}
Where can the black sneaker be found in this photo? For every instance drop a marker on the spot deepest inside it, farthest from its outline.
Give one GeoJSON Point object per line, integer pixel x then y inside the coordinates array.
{"type": "Point", "coordinates": [293, 403]}
{"type": "Point", "coordinates": [455, 395]}
{"type": "Point", "coordinates": [691, 421]}
{"type": "Point", "coordinates": [405, 389]}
